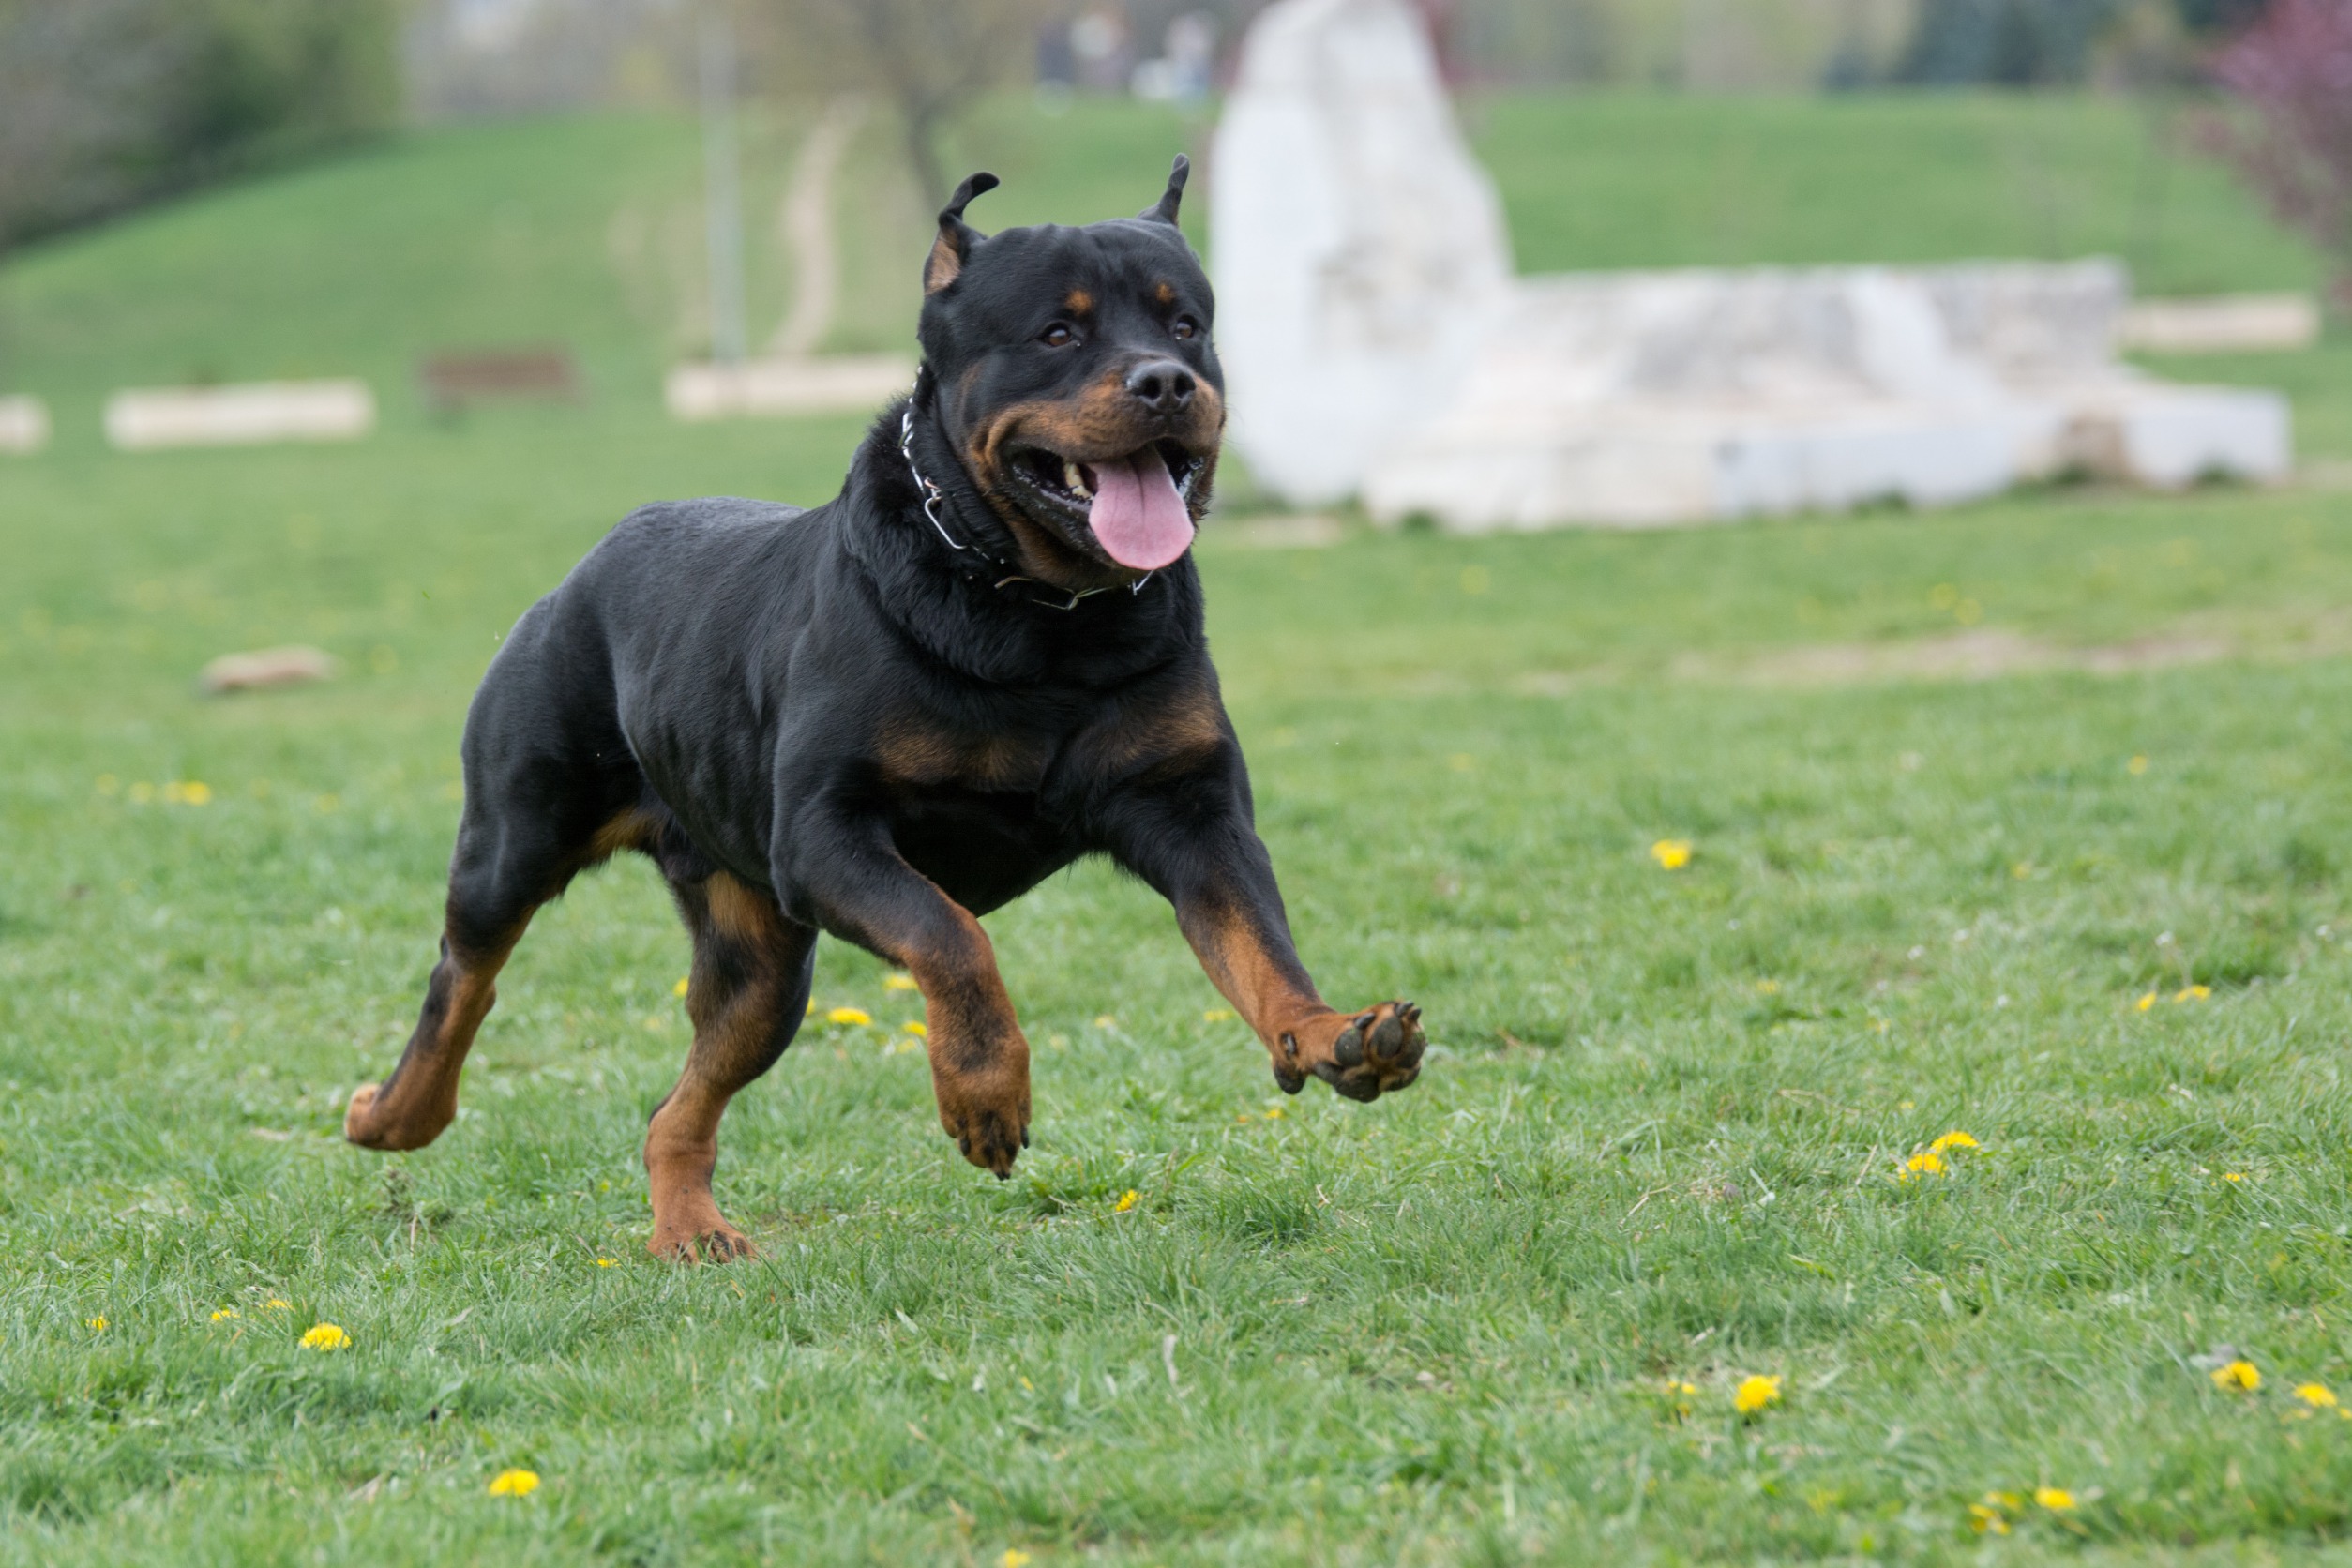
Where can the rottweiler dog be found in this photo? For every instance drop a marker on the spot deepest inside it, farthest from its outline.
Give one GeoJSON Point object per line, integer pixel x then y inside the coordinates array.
{"type": "Point", "coordinates": [890, 715]}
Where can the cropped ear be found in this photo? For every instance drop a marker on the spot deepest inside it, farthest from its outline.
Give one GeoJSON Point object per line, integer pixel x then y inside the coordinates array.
{"type": "Point", "coordinates": [955, 237]}
{"type": "Point", "coordinates": [1173, 197]}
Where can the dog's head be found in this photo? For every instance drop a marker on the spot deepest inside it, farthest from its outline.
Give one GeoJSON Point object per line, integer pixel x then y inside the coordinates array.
{"type": "Point", "coordinates": [1077, 380]}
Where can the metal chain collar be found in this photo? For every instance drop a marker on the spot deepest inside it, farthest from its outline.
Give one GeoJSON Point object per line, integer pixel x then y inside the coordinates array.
{"type": "Point", "coordinates": [935, 500]}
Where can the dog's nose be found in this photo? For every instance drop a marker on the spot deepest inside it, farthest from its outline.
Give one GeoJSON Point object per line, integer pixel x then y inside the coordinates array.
{"type": "Point", "coordinates": [1162, 385]}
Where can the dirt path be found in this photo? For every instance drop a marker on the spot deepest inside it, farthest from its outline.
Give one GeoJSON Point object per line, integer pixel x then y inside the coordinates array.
{"type": "Point", "coordinates": [805, 224]}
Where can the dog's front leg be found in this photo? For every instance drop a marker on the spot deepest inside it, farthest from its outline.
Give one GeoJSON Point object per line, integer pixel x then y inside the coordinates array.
{"type": "Point", "coordinates": [1210, 864]}
{"type": "Point", "coordinates": [857, 887]}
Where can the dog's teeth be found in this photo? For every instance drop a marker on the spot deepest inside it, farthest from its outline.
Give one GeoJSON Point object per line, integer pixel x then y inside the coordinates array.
{"type": "Point", "coordinates": [1074, 479]}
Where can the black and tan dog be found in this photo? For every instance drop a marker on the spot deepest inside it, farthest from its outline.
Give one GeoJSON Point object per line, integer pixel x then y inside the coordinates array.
{"type": "Point", "coordinates": [895, 713]}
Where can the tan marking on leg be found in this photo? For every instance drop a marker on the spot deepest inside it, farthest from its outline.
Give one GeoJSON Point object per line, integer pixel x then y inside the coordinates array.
{"type": "Point", "coordinates": [739, 933]}
{"type": "Point", "coordinates": [1270, 1000]}
{"type": "Point", "coordinates": [633, 829]}
{"type": "Point", "coordinates": [979, 1058]}
{"type": "Point", "coordinates": [413, 1107]}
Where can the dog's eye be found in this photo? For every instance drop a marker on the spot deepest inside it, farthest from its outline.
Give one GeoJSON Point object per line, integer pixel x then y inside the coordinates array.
{"type": "Point", "coordinates": [1059, 336]}
{"type": "Point", "coordinates": [1186, 328]}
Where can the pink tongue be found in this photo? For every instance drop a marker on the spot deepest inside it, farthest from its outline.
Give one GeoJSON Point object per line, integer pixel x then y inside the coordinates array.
{"type": "Point", "coordinates": [1137, 516]}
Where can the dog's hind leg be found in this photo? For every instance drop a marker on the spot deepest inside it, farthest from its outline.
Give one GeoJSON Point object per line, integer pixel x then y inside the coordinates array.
{"type": "Point", "coordinates": [749, 988]}
{"type": "Point", "coordinates": [502, 872]}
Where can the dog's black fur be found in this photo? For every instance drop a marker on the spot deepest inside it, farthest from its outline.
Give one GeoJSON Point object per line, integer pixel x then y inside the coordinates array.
{"type": "Point", "coordinates": [881, 721]}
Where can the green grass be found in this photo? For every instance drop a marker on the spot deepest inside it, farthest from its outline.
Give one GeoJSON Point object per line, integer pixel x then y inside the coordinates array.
{"type": "Point", "coordinates": [1616, 180]}
{"type": "Point", "coordinates": [1659, 1137]}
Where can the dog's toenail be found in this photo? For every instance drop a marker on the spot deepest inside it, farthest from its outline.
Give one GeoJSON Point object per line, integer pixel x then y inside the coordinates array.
{"type": "Point", "coordinates": [1291, 1046]}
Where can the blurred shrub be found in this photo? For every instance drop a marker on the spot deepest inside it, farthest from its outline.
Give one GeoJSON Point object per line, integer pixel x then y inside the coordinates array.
{"type": "Point", "coordinates": [2292, 73]}
{"type": "Point", "coordinates": [108, 103]}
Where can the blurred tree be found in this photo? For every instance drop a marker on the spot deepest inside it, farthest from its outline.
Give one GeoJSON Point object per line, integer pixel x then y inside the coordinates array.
{"type": "Point", "coordinates": [930, 57]}
{"type": "Point", "coordinates": [2011, 43]}
{"type": "Point", "coordinates": [2292, 71]}
{"type": "Point", "coordinates": [2218, 16]}
{"type": "Point", "coordinates": [106, 103]}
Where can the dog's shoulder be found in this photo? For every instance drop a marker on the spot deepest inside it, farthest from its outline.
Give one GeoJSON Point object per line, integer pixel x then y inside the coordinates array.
{"type": "Point", "coordinates": [712, 519]}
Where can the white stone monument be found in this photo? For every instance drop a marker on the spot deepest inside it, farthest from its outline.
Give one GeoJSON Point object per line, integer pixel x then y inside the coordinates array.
{"type": "Point", "coordinates": [1376, 344]}
{"type": "Point", "coordinates": [1359, 251]}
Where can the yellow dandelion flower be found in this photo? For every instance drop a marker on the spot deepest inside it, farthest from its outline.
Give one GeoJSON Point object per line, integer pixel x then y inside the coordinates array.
{"type": "Point", "coordinates": [608, 1262]}
{"type": "Point", "coordinates": [514, 1483]}
{"type": "Point", "coordinates": [899, 982]}
{"type": "Point", "coordinates": [2137, 767]}
{"type": "Point", "coordinates": [1984, 1518]}
{"type": "Point", "coordinates": [196, 793]}
{"type": "Point", "coordinates": [1755, 1393]}
{"type": "Point", "coordinates": [813, 1008]}
{"type": "Point", "coordinates": [1273, 1114]}
{"type": "Point", "coordinates": [2238, 1376]}
{"type": "Point", "coordinates": [278, 1304]}
{"type": "Point", "coordinates": [2319, 1397]}
{"type": "Point", "coordinates": [850, 1015]}
{"type": "Point", "coordinates": [324, 1337]}
{"type": "Point", "coordinates": [2233, 1175]}
{"type": "Point", "coordinates": [1014, 1558]}
{"type": "Point", "coordinates": [1104, 1020]}
{"type": "Point", "coordinates": [1768, 987]}
{"type": "Point", "coordinates": [917, 1028]}
{"type": "Point", "coordinates": [2145, 1003]}
{"type": "Point", "coordinates": [2193, 993]}
{"type": "Point", "coordinates": [96, 1325]}
{"type": "Point", "coordinates": [1127, 1200]}
{"type": "Point", "coordinates": [2058, 1499]}
{"type": "Point", "coordinates": [678, 989]}
{"type": "Point", "coordinates": [2010, 1501]}
{"type": "Point", "coordinates": [1927, 1163]}
{"type": "Point", "coordinates": [225, 1314]}
{"type": "Point", "coordinates": [1955, 1139]}
{"type": "Point", "coordinates": [1217, 1015]}
{"type": "Point", "coordinates": [1672, 854]}
{"type": "Point", "coordinates": [108, 784]}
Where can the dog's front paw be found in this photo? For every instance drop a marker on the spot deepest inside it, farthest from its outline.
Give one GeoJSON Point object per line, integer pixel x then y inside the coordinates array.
{"type": "Point", "coordinates": [987, 1113]}
{"type": "Point", "coordinates": [1371, 1053]}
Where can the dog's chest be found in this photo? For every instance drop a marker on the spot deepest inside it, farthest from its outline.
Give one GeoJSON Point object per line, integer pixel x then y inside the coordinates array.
{"type": "Point", "coordinates": [926, 759]}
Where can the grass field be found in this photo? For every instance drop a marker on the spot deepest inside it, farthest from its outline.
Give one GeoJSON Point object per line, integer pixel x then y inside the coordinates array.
{"type": "Point", "coordinates": [1502, 1318]}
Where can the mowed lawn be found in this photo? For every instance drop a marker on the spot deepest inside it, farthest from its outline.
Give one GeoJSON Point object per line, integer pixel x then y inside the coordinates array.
{"type": "Point", "coordinates": [2027, 822]}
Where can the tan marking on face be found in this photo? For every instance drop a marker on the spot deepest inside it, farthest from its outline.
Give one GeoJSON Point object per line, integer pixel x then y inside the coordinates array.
{"type": "Point", "coordinates": [1080, 302]}
{"type": "Point", "coordinates": [1100, 423]}
{"type": "Point", "coordinates": [1165, 294]}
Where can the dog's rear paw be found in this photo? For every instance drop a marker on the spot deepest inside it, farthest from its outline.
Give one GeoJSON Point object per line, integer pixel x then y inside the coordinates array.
{"type": "Point", "coordinates": [373, 1122]}
{"type": "Point", "coordinates": [1377, 1051]}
